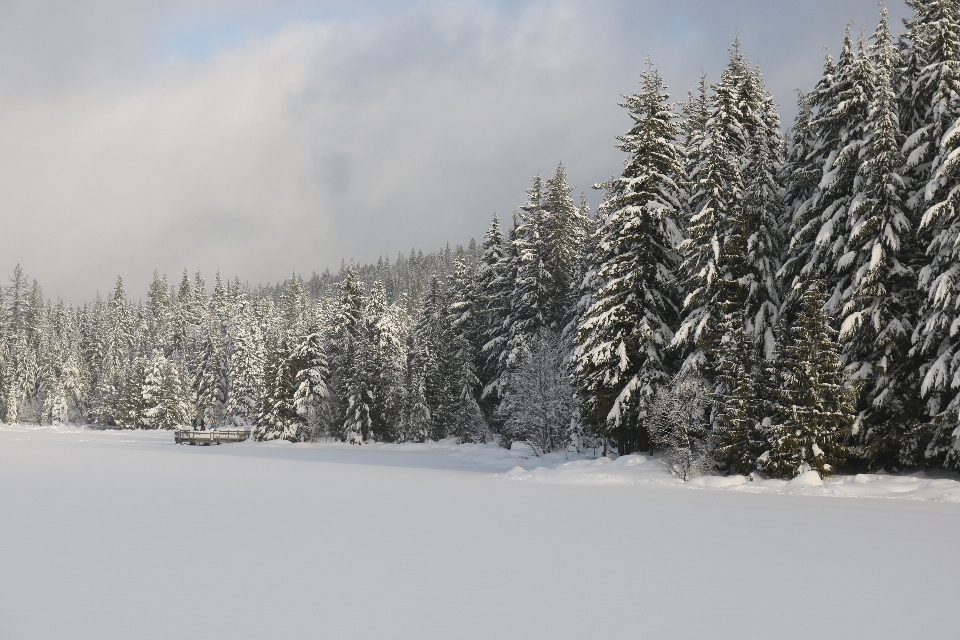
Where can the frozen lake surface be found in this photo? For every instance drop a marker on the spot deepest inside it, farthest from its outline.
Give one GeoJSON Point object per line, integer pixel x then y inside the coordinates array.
{"type": "Point", "coordinates": [109, 534]}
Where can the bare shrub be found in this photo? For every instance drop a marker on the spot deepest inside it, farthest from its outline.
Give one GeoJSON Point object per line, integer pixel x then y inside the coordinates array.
{"type": "Point", "coordinates": [677, 424]}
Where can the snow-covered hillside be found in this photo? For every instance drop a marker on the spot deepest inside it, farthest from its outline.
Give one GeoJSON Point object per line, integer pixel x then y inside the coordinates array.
{"type": "Point", "coordinates": [122, 534]}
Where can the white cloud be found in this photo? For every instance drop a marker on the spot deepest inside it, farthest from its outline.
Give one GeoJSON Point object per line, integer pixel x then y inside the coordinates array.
{"type": "Point", "coordinates": [323, 140]}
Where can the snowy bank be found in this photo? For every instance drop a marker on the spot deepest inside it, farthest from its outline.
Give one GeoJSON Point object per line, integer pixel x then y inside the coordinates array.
{"type": "Point", "coordinates": [520, 464]}
{"type": "Point", "coordinates": [639, 469]}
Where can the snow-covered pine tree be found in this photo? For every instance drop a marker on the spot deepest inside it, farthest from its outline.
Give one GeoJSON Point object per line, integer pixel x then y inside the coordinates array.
{"type": "Point", "coordinates": [210, 382]}
{"type": "Point", "coordinates": [622, 337]}
{"type": "Point", "coordinates": [929, 87]}
{"type": "Point", "coordinates": [182, 316]}
{"type": "Point", "coordinates": [564, 228]}
{"type": "Point", "coordinates": [220, 304]}
{"type": "Point", "coordinates": [737, 434]}
{"type": "Point", "coordinates": [387, 328]}
{"type": "Point", "coordinates": [815, 408]}
{"type": "Point", "coordinates": [932, 112]}
{"type": "Point", "coordinates": [159, 329]}
{"type": "Point", "coordinates": [63, 383]}
{"type": "Point", "coordinates": [417, 421]}
{"type": "Point", "coordinates": [128, 412]}
{"type": "Point", "coordinates": [114, 362]}
{"type": "Point", "coordinates": [819, 227]}
{"type": "Point", "coordinates": [530, 299]}
{"type": "Point", "coordinates": [880, 303]}
{"type": "Point", "coordinates": [151, 416]}
{"type": "Point", "coordinates": [344, 345]}
{"type": "Point", "coordinates": [377, 372]}
{"type": "Point", "coordinates": [758, 239]}
{"type": "Point", "coordinates": [18, 361]}
{"type": "Point", "coordinates": [164, 401]}
{"type": "Point", "coordinates": [433, 358]}
{"type": "Point", "coordinates": [468, 423]}
{"type": "Point", "coordinates": [246, 364]}
{"type": "Point", "coordinates": [732, 251]}
{"type": "Point", "coordinates": [178, 398]}
{"type": "Point", "coordinates": [584, 282]}
{"type": "Point", "coordinates": [706, 273]}
{"type": "Point", "coordinates": [695, 113]}
{"type": "Point", "coordinates": [311, 397]}
{"type": "Point", "coordinates": [278, 417]}
{"type": "Point", "coordinates": [93, 348]}
{"type": "Point", "coordinates": [800, 175]}
{"type": "Point", "coordinates": [53, 407]}
{"type": "Point", "coordinates": [493, 282]}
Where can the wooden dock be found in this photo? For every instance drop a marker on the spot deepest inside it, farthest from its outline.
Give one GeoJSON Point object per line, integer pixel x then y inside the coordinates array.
{"type": "Point", "coordinates": [212, 436]}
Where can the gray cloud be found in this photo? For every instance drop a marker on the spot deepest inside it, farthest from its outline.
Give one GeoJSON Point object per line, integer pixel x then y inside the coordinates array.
{"type": "Point", "coordinates": [260, 138]}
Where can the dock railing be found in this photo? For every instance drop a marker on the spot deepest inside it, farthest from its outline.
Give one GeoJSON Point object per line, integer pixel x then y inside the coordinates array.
{"type": "Point", "coordinates": [212, 436]}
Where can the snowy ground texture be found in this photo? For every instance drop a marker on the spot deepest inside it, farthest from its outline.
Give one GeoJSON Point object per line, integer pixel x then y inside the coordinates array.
{"type": "Point", "coordinates": [107, 534]}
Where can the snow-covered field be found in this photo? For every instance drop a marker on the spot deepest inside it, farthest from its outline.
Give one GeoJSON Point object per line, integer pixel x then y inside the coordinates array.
{"type": "Point", "coordinates": [107, 534]}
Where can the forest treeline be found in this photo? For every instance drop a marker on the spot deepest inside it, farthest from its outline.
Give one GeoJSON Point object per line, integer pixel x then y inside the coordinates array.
{"type": "Point", "coordinates": [743, 299]}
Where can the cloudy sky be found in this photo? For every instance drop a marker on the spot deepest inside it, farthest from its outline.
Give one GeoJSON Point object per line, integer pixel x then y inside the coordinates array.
{"type": "Point", "coordinates": [266, 137]}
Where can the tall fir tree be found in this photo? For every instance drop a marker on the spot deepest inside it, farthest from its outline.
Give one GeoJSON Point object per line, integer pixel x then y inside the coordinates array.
{"type": "Point", "coordinates": [211, 382]}
{"type": "Point", "coordinates": [931, 108]}
{"type": "Point", "coordinates": [622, 338]}
{"type": "Point", "coordinates": [880, 303]}
{"type": "Point", "coordinates": [708, 271]}
{"type": "Point", "coordinates": [312, 397]}
{"type": "Point", "coordinates": [758, 224]}
{"type": "Point", "coordinates": [493, 282]}
{"type": "Point", "coordinates": [737, 431]}
{"type": "Point", "coordinates": [929, 87]}
{"type": "Point", "coordinates": [464, 320]}
{"type": "Point", "coordinates": [815, 408]}
{"type": "Point", "coordinates": [564, 228]}
{"type": "Point", "coordinates": [819, 226]}
{"type": "Point", "coordinates": [246, 364]}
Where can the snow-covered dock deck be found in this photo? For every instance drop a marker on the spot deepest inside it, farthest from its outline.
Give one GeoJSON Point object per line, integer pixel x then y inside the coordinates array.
{"type": "Point", "coordinates": [213, 436]}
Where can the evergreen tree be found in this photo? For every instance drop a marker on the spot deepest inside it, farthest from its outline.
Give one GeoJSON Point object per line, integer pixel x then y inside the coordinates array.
{"type": "Point", "coordinates": [344, 344]}
{"type": "Point", "coordinates": [417, 421]}
{"type": "Point", "coordinates": [530, 299]}
{"type": "Point", "coordinates": [433, 358]}
{"type": "Point", "coordinates": [815, 407]}
{"type": "Point", "coordinates": [387, 329]}
{"type": "Point", "coordinates": [880, 303]}
{"type": "Point", "coordinates": [623, 335]}
{"type": "Point", "coordinates": [707, 273]}
{"type": "Point", "coordinates": [18, 362]}
{"type": "Point", "coordinates": [210, 383]}
{"type": "Point", "coordinates": [757, 237]}
{"type": "Point", "coordinates": [159, 329]}
{"type": "Point", "coordinates": [311, 397]}
{"type": "Point", "coordinates": [279, 418]}
{"type": "Point", "coordinates": [820, 222]}
{"type": "Point", "coordinates": [563, 232]}
{"type": "Point", "coordinates": [463, 318]}
{"type": "Point", "coordinates": [128, 412]}
{"type": "Point", "coordinates": [494, 284]}
{"type": "Point", "coordinates": [166, 401]}
{"type": "Point", "coordinates": [929, 87]}
{"type": "Point", "coordinates": [246, 365]}
{"type": "Point", "coordinates": [931, 109]}
{"type": "Point", "coordinates": [737, 434]}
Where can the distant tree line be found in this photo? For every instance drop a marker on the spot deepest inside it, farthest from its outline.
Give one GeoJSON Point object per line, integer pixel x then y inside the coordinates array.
{"type": "Point", "coordinates": [748, 300]}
